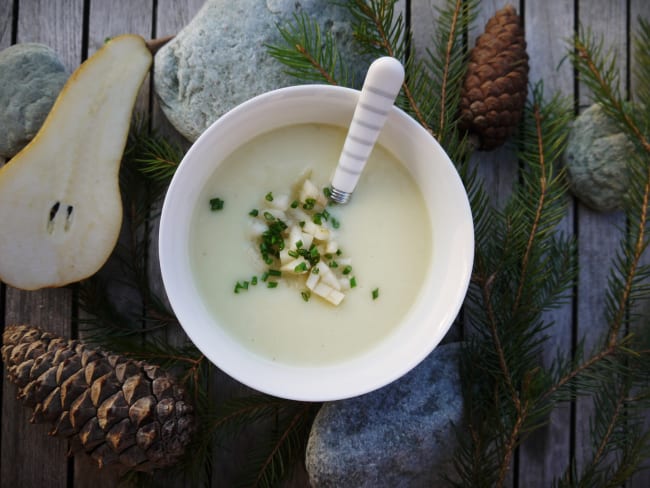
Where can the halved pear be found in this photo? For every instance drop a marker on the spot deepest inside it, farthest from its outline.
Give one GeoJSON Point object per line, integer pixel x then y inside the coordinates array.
{"type": "Point", "coordinates": [60, 204]}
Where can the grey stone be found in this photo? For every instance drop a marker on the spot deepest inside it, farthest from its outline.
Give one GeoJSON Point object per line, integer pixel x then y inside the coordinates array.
{"type": "Point", "coordinates": [220, 59]}
{"type": "Point", "coordinates": [596, 160]}
{"type": "Point", "coordinates": [401, 435]}
{"type": "Point", "coordinates": [31, 77]}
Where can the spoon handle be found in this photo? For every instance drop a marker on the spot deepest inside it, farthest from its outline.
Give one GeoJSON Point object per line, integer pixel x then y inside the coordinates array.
{"type": "Point", "coordinates": [380, 88]}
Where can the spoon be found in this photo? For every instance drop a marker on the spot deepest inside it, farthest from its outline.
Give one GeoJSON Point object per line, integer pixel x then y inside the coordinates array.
{"type": "Point", "coordinates": [380, 88]}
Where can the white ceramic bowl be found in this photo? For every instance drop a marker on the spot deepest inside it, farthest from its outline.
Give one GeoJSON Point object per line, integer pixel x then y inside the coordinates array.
{"type": "Point", "coordinates": [444, 287]}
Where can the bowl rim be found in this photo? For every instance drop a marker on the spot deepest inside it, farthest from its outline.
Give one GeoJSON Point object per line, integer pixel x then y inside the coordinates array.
{"type": "Point", "coordinates": [306, 383]}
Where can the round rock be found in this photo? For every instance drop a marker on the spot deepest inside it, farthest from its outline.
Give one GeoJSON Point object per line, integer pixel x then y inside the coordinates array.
{"type": "Point", "coordinates": [220, 58]}
{"type": "Point", "coordinates": [596, 160]}
{"type": "Point", "coordinates": [399, 436]}
{"type": "Point", "coordinates": [31, 77]}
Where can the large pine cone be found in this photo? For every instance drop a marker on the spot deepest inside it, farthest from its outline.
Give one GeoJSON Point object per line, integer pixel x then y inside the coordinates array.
{"type": "Point", "coordinates": [116, 409]}
{"type": "Point", "coordinates": [496, 83]}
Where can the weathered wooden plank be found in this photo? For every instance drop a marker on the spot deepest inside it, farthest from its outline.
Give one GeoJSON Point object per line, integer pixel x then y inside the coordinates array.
{"type": "Point", "coordinates": [171, 17]}
{"type": "Point", "coordinates": [639, 9]}
{"type": "Point", "coordinates": [548, 25]}
{"type": "Point", "coordinates": [6, 22]}
{"type": "Point", "coordinates": [598, 233]}
{"type": "Point", "coordinates": [30, 457]}
{"type": "Point", "coordinates": [424, 17]}
{"type": "Point", "coordinates": [497, 168]}
{"type": "Point", "coordinates": [105, 20]}
{"type": "Point", "coordinates": [56, 23]}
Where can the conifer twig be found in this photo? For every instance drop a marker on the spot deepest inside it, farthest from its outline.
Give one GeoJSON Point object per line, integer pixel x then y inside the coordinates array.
{"type": "Point", "coordinates": [453, 30]}
{"type": "Point", "coordinates": [377, 15]}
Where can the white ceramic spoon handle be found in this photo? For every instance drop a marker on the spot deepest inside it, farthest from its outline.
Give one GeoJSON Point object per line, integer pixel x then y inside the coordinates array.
{"type": "Point", "coordinates": [380, 88]}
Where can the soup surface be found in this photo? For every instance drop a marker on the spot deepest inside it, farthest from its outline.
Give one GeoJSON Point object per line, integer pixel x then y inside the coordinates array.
{"type": "Point", "coordinates": [384, 229]}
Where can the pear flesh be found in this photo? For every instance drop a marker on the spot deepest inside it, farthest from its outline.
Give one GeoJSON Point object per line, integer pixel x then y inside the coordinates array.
{"type": "Point", "coordinates": [60, 204]}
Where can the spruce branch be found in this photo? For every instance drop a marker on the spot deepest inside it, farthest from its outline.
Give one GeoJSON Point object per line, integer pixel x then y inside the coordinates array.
{"type": "Point", "coordinates": [382, 33]}
{"type": "Point", "coordinates": [611, 373]}
{"type": "Point", "coordinates": [308, 54]}
{"type": "Point", "coordinates": [598, 71]}
{"type": "Point", "coordinates": [512, 285]}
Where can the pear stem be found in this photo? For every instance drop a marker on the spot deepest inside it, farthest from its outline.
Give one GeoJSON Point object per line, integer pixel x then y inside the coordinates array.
{"type": "Point", "coordinates": [154, 44]}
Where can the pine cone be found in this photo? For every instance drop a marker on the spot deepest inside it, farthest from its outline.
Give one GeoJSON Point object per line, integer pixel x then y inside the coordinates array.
{"type": "Point", "coordinates": [496, 82]}
{"type": "Point", "coordinates": [116, 409]}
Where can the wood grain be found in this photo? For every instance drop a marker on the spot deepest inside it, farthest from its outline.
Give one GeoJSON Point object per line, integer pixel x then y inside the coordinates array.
{"type": "Point", "coordinates": [548, 27]}
{"type": "Point", "coordinates": [598, 233]}
{"type": "Point", "coordinates": [29, 458]}
{"type": "Point", "coordinates": [639, 8]}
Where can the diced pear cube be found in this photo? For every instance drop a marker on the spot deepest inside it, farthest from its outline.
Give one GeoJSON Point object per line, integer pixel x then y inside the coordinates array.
{"type": "Point", "coordinates": [292, 265]}
{"type": "Point", "coordinates": [328, 293]}
{"type": "Point", "coordinates": [310, 227]}
{"type": "Point", "coordinates": [298, 215]}
{"type": "Point", "coordinates": [295, 235]}
{"type": "Point", "coordinates": [308, 190]}
{"type": "Point", "coordinates": [280, 202]}
{"type": "Point", "coordinates": [322, 234]}
{"type": "Point", "coordinates": [335, 297]}
{"type": "Point", "coordinates": [344, 283]}
{"type": "Point", "coordinates": [278, 214]}
{"type": "Point", "coordinates": [318, 231]}
{"type": "Point", "coordinates": [332, 247]}
{"type": "Point", "coordinates": [312, 280]}
{"type": "Point", "coordinates": [284, 256]}
{"type": "Point", "coordinates": [330, 279]}
{"type": "Point", "coordinates": [347, 261]}
{"type": "Point", "coordinates": [257, 228]}
{"type": "Point", "coordinates": [307, 240]}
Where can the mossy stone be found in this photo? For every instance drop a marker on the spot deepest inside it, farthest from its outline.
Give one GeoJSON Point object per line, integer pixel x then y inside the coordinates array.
{"type": "Point", "coordinates": [31, 77]}
{"type": "Point", "coordinates": [596, 160]}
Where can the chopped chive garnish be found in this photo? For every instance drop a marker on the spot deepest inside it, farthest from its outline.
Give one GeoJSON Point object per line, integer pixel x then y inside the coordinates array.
{"type": "Point", "coordinates": [269, 216]}
{"type": "Point", "coordinates": [313, 251]}
{"type": "Point", "coordinates": [305, 295]}
{"type": "Point", "coordinates": [237, 287]}
{"type": "Point", "coordinates": [254, 212]}
{"type": "Point", "coordinates": [295, 204]}
{"type": "Point", "coordinates": [315, 270]}
{"type": "Point", "coordinates": [375, 293]}
{"type": "Point", "coordinates": [327, 192]}
{"type": "Point", "coordinates": [325, 214]}
{"type": "Point", "coordinates": [244, 285]}
{"type": "Point", "coordinates": [268, 260]}
{"type": "Point", "coordinates": [265, 276]}
{"type": "Point", "coordinates": [335, 223]}
{"type": "Point", "coordinates": [309, 204]}
{"type": "Point", "coordinates": [254, 280]}
{"type": "Point", "coordinates": [353, 282]}
{"type": "Point", "coordinates": [293, 254]}
{"type": "Point", "coordinates": [275, 272]}
{"type": "Point", "coordinates": [216, 204]}
{"type": "Point", "coordinates": [333, 264]}
{"type": "Point", "coordinates": [339, 252]}
{"type": "Point", "coordinates": [272, 284]}
{"type": "Point", "coordinates": [317, 219]}
{"type": "Point", "coordinates": [347, 270]}
{"type": "Point", "coordinates": [329, 255]}
{"type": "Point", "coordinates": [301, 223]}
{"type": "Point", "coordinates": [298, 244]}
{"type": "Point", "coordinates": [269, 197]}
{"type": "Point", "coordinates": [300, 267]}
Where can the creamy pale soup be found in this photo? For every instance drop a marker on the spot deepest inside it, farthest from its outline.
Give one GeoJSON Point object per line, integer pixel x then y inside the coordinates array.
{"type": "Point", "coordinates": [384, 230]}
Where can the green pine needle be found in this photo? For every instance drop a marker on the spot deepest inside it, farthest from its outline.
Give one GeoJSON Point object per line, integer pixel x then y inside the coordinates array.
{"type": "Point", "coordinates": [310, 55]}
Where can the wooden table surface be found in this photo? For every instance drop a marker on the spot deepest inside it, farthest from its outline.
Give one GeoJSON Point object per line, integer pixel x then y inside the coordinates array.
{"type": "Point", "coordinates": [76, 28]}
